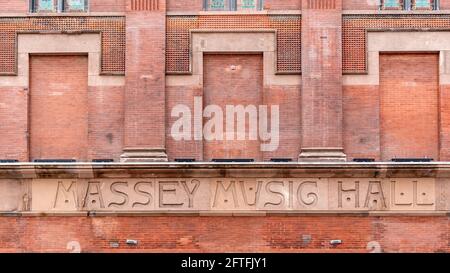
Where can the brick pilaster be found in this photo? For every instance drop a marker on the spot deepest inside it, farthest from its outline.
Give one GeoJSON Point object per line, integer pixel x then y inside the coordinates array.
{"type": "Point", "coordinates": [322, 81]}
{"type": "Point", "coordinates": [145, 81]}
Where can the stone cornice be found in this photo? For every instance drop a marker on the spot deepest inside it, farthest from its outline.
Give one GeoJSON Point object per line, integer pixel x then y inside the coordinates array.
{"type": "Point", "coordinates": [241, 170]}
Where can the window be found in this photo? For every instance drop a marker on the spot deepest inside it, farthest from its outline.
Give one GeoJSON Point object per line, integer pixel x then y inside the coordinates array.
{"type": "Point", "coordinates": [75, 5]}
{"type": "Point", "coordinates": [232, 5]}
{"type": "Point", "coordinates": [409, 5]}
{"type": "Point", "coordinates": [48, 6]}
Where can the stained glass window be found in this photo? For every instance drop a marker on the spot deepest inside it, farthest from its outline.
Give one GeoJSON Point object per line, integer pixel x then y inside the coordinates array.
{"type": "Point", "coordinates": [230, 5]}
{"type": "Point", "coordinates": [248, 4]}
{"type": "Point", "coordinates": [422, 4]}
{"type": "Point", "coordinates": [58, 5]}
{"type": "Point", "coordinates": [217, 4]}
{"type": "Point", "coordinates": [46, 5]}
{"type": "Point", "coordinates": [391, 4]}
{"type": "Point", "coordinates": [76, 5]}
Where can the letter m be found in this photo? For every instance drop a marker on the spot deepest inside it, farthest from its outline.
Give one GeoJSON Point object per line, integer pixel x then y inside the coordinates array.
{"type": "Point", "coordinates": [66, 196]}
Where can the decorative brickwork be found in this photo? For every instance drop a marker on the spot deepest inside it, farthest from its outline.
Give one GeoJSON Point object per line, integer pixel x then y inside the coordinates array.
{"type": "Point", "coordinates": [140, 5]}
{"type": "Point", "coordinates": [112, 29]}
{"type": "Point", "coordinates": [354, 28]}
{"type": "Point", "coordinates": [288, 37]}
{"type": "Point", "coordinates": [321, 4]}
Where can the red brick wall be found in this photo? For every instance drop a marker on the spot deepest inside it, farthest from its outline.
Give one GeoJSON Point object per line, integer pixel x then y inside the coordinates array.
{"type": "Point", "coordinates": [444, 98]}
{"type": "Point", "coordinates": [445, 4]}
{"type": "Point", "coordinates": [360, 4]}
{"type": "Point", "coordinates": [186, 148]}
{"type": "Point", "coordinates": [107, 5]}
{"type": "Point", "coordinates": [13, 123]}
{"type": "Point", "coordinates": [361, 110]}
{"type": "Point", "coordinates": [106, 114]}
{"type": "Point", "coordinates": [225, 234]}
{"type": "Point", "coordinates": [10, 6]}
{"type": "Point", "coordinates": [224, 86]}
{"type": "Point", "coordinates": [58, 107]}
{"type": "Point", "coordinates": [185, 5]}
{"type": "Point", "coordinates": [289, 100]}
{"type": "Point", "coordinates": [283, 4]}
{"type": "Point", "coordinates": [409, 105]}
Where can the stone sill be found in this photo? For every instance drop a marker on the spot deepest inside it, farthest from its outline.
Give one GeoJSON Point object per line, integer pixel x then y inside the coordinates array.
{"type": "Point", "coordinates": [377, 170]}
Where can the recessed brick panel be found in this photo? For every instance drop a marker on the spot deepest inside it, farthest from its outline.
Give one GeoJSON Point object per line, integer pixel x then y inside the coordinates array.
{"type": "Point", "coordinates": [409, 85]}
{"type": "Point", "coordinates": [58, 107]}
{"type": "Point", "coordinates": [233, 80]}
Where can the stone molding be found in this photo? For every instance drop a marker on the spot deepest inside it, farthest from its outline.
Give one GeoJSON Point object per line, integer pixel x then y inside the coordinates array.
{"type": "Point", "coordinates": [60, 43]}
{"type": "Point", "coordinates": [379, 41]}
{"type": "Point", "coordinates": [233, 41]}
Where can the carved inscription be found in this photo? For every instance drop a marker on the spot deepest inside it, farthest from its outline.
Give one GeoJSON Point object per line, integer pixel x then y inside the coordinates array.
{"type": "Point", "coordinates": [269, 194]}
{"type": "Point", "coordinates": [359, 194]}
{"type": "Point", "coordinates": [230, 194]}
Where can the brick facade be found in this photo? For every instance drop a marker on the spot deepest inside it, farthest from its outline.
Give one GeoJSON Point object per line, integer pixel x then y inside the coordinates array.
{"type": "Point", "coordinates": [246, 71]}
{"type": "Point", "coordinates": [344, 93]}
{"type": "Point", "coordinates": [226, 234]}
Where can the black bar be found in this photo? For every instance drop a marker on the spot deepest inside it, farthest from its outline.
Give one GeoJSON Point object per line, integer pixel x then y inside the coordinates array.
{"type": "Point", "coordinates": [102, 160]}
{"type": "Point", "coordinates": [363, 160]}
{"type": "Point", "coordinates": [9, 160]}
{"type": "Point", "coordinates": [185, 160]}
{"type": "Point", "coordinates": [54, 160]}
{"type": "Point", "coordinates": [281, 159]}
{"type": "Point", "coordinates": [412, 160]}
{"type": "Point", "coordinates": [238, 160]}
{"type": "Point", "coordinates": [233, 262]}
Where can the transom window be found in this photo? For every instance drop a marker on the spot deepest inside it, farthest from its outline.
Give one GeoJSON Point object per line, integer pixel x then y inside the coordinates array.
{"type": "Point", "coordinates": [53, 6]}
{"type": "Point", "coordinates": [231, 5]}
{"type": "Point", "coordinates": [409, 5]}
